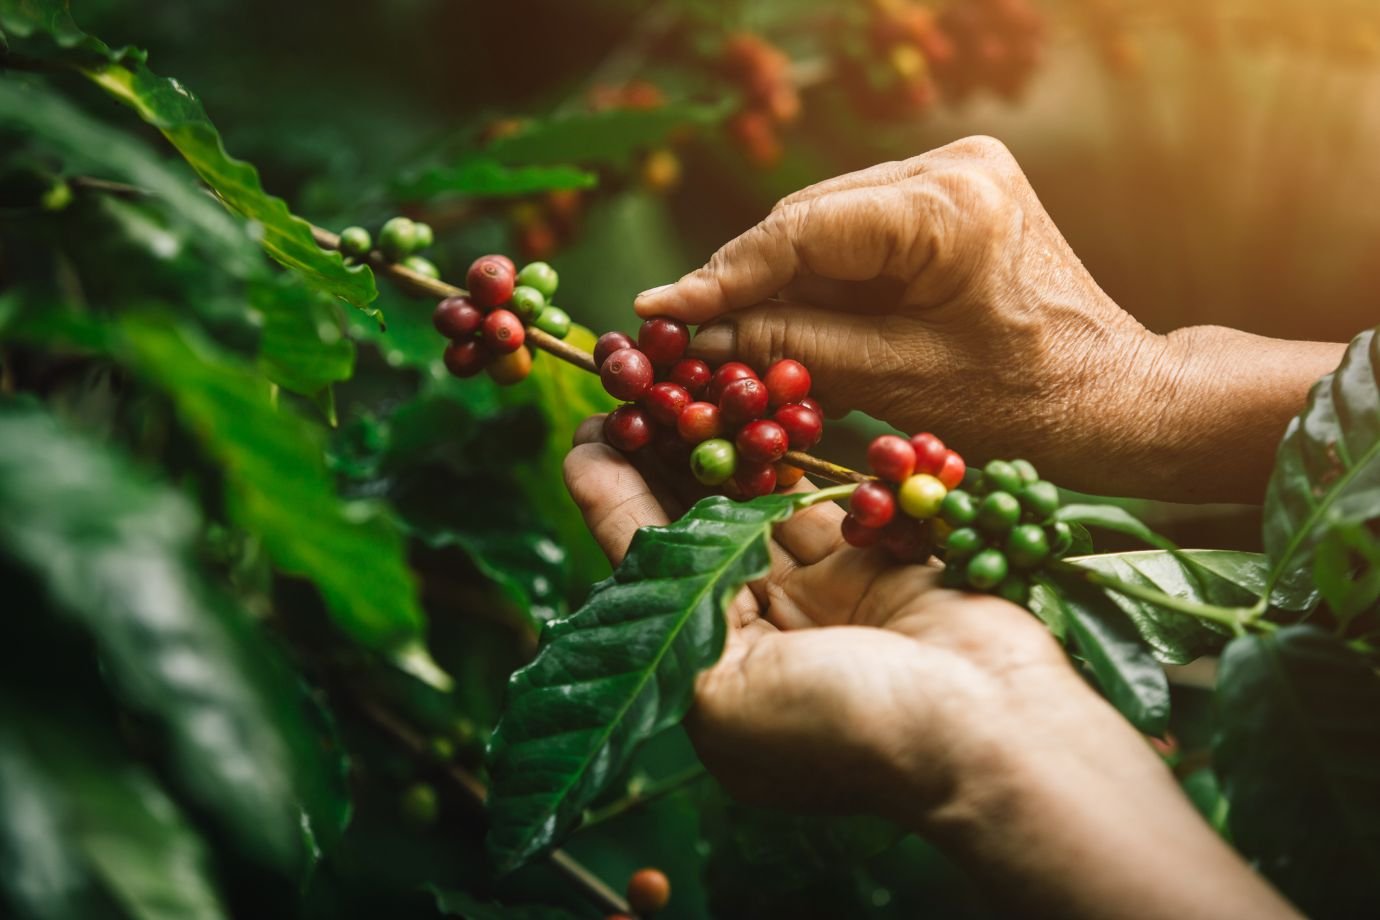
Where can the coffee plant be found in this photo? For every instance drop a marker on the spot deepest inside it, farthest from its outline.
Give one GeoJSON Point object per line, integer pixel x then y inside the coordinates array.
{"type": "Point", "coordinates": [301, 619]}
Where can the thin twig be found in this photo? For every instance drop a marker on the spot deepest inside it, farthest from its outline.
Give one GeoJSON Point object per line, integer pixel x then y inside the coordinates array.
{"type": "Point", "coordinates": [638, 797]}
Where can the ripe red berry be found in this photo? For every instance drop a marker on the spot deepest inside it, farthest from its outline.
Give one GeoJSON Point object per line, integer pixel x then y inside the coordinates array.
{"type": "Point", "coordinates": [466, 358]}
{"type": "Point", "coordinates": [873, 504]}
{"type": "Point", "coordinates": [891, 457]}
{"type": "Point", "coordinates": [666, 401]}
{"type": "Point", "coordinates": [856, 533]}
{"type": "Point", "coordinates": [762, 441]}
{"type": "Point", "coordinates": [733, 370]}
{"type": "Point", "coordinates": [649, 890]}
{"type": "Point", "coordinates": [742, 401]}
{"type": "Point", "coordinates": [608, 343]}
{"type": "Point", "coordinates": [809, 402]}
{"type": "Point", "coordinates": [503, 332]}
{"type": "Point", "coordinates": [628, 428]}
{"type": "Point", "coordinates": [505, 262]}
{"type": "Point", "coordinates": [698, 422]}
{"type": "Point", "coordinates": [787, 382]}
{"type": "Point", "coordinates": [673, 451]}
{"type": "Point", "coordinates": [929, 453]}
{"type": "Point", "coordinates": [457, 318]}
{"type": "Point", "coordinates": [951, 470]}
{"type": "Point", "coordinates": [663, 339]}
{"type": "Point", "coordinates": [490, 280]}
{"type": "Point", "coordinates": [804, 427]}
{"type": "Point", "coordinates": [907, 539]}
{"type": "Point", "coordinates": [511, 368]}
{"type": "Point", "coordinates": [755, 479]}
{"type": "Point", "coordinates": [787, 475]}
{"type": "Point", "coordinates": [627, 374]}
{"type": "Point", "coordinates": [691, 373]}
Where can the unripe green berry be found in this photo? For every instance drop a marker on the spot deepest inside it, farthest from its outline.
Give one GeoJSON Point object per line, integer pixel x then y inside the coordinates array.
{"type": "Point", "coordinates": [356, 242]}
{"type": "Point", "coordinates": [1027, 546]}
{"type": "Point", "coordinates": [1026, 470]}
{"type": "Point", "coordinates": [419, 805]}
{"type": "Point", "coordinates": [422, 266]}
{"type": "Point", "coordinates": [554, 321]}
{"type": "Point", "coordinates": [959, 509]}
{"type": "Point", "coordinates": [998, 474]}
{"type": "Point", "coordinates": [398, 238]}
{"type": "Point", "coordinates": [1015, 589]}
{"type": "Point", "coordinates": [1040, 499]}
{"type": "Point", "coordinates": [442, 748]}
{"type": "Point", "coordinates": [963, 542]}
{"type": "Point", "coordinates": [998, 512]}
{"type": "Point", "coordinates": [1060, 537]}
{"type": "Point", "coordinates": [955, 574]}
{"type": "Point", "coordinates": [422, 236]}
{"type": "Point", "coordinates": [541, 276]}
{"type": "Point", "coordinates": [714, 462]}
{"type": "Point", "coordinates": [987, 569]}
{"type": "Point", "coordinates": [527, 303]}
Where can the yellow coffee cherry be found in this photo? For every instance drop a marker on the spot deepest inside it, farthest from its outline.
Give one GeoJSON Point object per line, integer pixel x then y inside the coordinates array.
{"type": "Point", "coordinates": [921, 495]}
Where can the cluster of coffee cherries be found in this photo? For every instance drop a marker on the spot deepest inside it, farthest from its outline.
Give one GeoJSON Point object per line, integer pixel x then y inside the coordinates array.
{"type": "Point", "coordinates": [401, 240]}
{"type": "Point", "coordinates": [762, 73]}
{"type": "Point", "coordinates": [487, 327]}
{"type": "Point", "coordinates": [732, 426]}
{"type": "Point", "coordinates": [914, 475]}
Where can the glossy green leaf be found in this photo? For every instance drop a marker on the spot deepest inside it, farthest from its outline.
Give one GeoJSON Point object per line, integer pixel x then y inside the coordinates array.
{"type": "Point", "coordinates": [1327, 471]}
{"type": "Point", "coordinates": [620, 669]}
{"type": "Point", "coordinates": [1296, 755]}
{"type": "Point", "coordinates": [1121, 661]}
{"type": "Point", "coordinates": [301, 347]}
{"type": "Point", "coordinates": [482, 177]}
{"type": "Point", "coordinates": [612, 137]}
{"type": "Point", "coordinates": [45, 30]}
{"type": "Point", "coordinates": [461, 904]}
{"type": "Point", "coordinates": [1346, 570]}
{"type": "Point", "coordinates": [1114, 518]}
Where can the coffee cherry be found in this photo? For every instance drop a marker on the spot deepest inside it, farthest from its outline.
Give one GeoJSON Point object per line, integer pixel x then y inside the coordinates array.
{"type": "Point", "coordinates": [963, 542]}
{"type": "Point", "coordinates": [490, 280]}
{"type": "Point", "coordinates": [691, 373]}
{"type": "Point", "coordinates": [465, 358]}
{"type": "Point", "coordinates": [663, 339]}
{"type": "Point", "coordinates": [873, 504]}
{"type": "Point", "coordinates": [356, 242]}
{"type": "Point", "coordinates": [541, 276]}
{"type": "Point", "coordinates": [906, 539]}
{"type": "Point", "coordinates": [787, 475]}
{"type": "Point", "coordinates": [762, 441]}
{"type": "Point", "coordinates": [755, 479]}
{"type": "Point", "coordinates": [952, 471]}
{"type": "Point", "coordinates": [929, 453]}
{"type": "Point", "coordinates": [728, 373]}
{"type": "Point", "coordinates": [1026, 470]}
{"type": "Point", "coordinates": [608, 343]}
{"type": "Point", "coordinates": [742, 401]}
{"type": "Point", "coordinates": [673, 451]}
{"type": "Point", "coordinates": [856, 533]}
{"type": "Point", "coordinates": [1040, 499]}
{"type": "Point", "coordinates": [503, 332]}
{"type": "Point", "coordinates": [419, 805]}
{"type": "Point", "coordinates": [1000, 475]}
{"type": "Point", "coordinates": [714, 461]}
{"type": "Point", "coordinates": [553, 321]}
{"type": "Point", "coordinates": [955, 573]}
{"type": "Point", "coordinates": [628, 428]}
{"type": "Point", "coordinates": [527, 303]}
{"type": "Point", "coordinates": [958, 508]}
{"type": "Point", "coordinates": [511, 368]}
{"type": "Point", "coordinates": [1060, 539]}
{"type": "Point", "coordinates": [1014, 588]}
{"type": "Point", "coordinates": [422, 236]}
{"type": "Point", "coordinates": [998, 512]}
{"type": "Point", "coordinates": [891, 457]}
{"type": "Point", "coordinates": [809, 402]}
{"type": "Point", "coordinates": [698, 422]}
{"type": "Point", "coordinates": [787, 382]}
{"type": "Point", "coordinates": [505, 262]}
{"type": "Point", "coordinates": [921, 495]}
{"type": "Point", "coordinates": [987, 569]}
{"type": "Point", "coordinates": [398, 239]}
{"type": "Point", "coordinates": [1027, 546]}
{"type": "Point", "coordinates": [649, 890]}
{"type": "Point", "coordinates": [626, 374]}
{"type": "Point", "coordinates": [804, 427]}
{"type": "Point", "coordinates": [422, 266]}
{"type": "Point", "coordinates": [666, 401]}
{"type": "Point", "coordinates": [457, 318]}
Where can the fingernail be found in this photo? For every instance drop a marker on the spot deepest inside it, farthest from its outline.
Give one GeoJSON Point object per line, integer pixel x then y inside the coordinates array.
{"type": "Point", "coordinates": [652, 292]}
{"type": "Point", "coordinates": [715, 343]}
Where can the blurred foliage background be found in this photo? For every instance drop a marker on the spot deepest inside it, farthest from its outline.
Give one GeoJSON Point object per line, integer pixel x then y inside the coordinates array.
{"type": "Point", "coordinates": [182, 672]}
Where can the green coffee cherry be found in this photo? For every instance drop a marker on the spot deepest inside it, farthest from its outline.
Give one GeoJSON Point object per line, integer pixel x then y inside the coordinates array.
{"type": "Point", "coordinates": [1026, 470]}
{"type": "Point", "coordinates": [422, 236]}
{"type": "Point", "coordinates": [541, 276]}
{"type": "Point", "coordinates": [554, 321]}
{"type": "Point", "coordinates": [442, 748]}
{"type": "Point", "coordinates": [422, 266]}
{"type": "Point", "coordinates": [955, 574]}
{"type": "Point", "coordinates": [527, 303]}
{"type": "Point", "coordinates": [959, 509]}
{"type": "Point", "coordinates": [714, 461]}
{"type": "Point", "coordinates": [987, 569]}
{"type": "Point", "coordinates": [1060, 536]}
{"type": "Point", "coordinates": [419, 805]}
{"type": "Point", "coordinates": [998, 474]}
{"type": "Point", "coordinates": [356, 242]}
{"type": "Point", "coordinates": [963, 542]}
{"type": "Point", "coordinates": [398, 239]}
{"type": "Point", "coordinates": [998, 512]}
{"type": "Point", "coordinates": [1040, 499]}
{"type": "Point", "coordinates": [1027, 546]}
{"type": "Point", "coordinates": [1015, 589]}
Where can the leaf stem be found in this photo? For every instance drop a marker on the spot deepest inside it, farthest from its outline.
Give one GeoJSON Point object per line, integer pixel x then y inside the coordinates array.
{"type": "Point", "coordinates": [1237, 619]}
{"type": "Point", "coordinates": [639, 796]}
{"type": "Point", "coordinates": [808, 499]}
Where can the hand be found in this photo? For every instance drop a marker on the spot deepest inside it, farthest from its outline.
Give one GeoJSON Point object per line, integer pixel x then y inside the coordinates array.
{"type": "Point", "coordinates": [937, 294]}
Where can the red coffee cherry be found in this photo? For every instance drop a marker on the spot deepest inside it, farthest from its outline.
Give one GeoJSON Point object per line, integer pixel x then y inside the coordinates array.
{"type": "Point", "coordinates": [787, 475]}
{"type": "Point", "coordinates": [673, 451]}
{"type": "Point", "coordinates": [490, 280]}
{"type": "Point", "coordinates": [698, 422]}
{"type": "Point", "coordinates": [457, 318]}
{"type": "Point", "coordinates": [762, 441]}
{"type": "Point", "coordinates": [873, 504]}
{"type": "Point", "coordinates": [511, 368]}
{"type": "Point", "coordinates": [628, 428]}
{"type": "Point", "coordinates": [907, 539]}
{"type": "Point", "coordinates": [804, 427]}
{"type": "Point", "coordinates": [733, 370]}
{"type": "Point", "coordinates": [856, 533]}
{"type": "Point", "coordinates": [466, 358]}
{"type": "Point", "coordinates": [787, 382]}
{"type": "Point", "coordinates": [952, 470]}
{"type": "Point", "coordinates": [691, 373]}
{"type": "Point", "coordinates": [891, 457]}
{"type": "Point", "coordinates": [506, 262]}
{"type": "Point", "coordinates": [626, 374]}
{"type": "Point", "coordinates": [929, 452]}
{"type": "Point", "coordinates": [755, 479]}
{"type": "Point", "coordinates": [742, 401]}
{"type": "Point", "coordinates": [666, 401]}
{"type": "Point", "coordinates": [809, 402]}
{"type": "Point", "coordinates": [503, 332]}
{"type": "Point", "coordinates": [608, 343]}
{"type": "Point", "coordinates": [649, 890]}
{"type": "Point", "coordinates": [663, 339]}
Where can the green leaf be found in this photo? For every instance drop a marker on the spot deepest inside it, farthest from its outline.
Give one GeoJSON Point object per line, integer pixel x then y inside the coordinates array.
{"type": "Point", "coordinates": [1120, 659]}
{"type": "Point", "coordinates": [1346, 569]}
{"type": "Point", "coordinates": [461, 904]}
{"type": "Point", "coordinates": [302, 347]}
{"type": "Point", "coordinates": [45, 30]}
{"type": "Point", "coordinates": [1114, 518]}
{"type": "Point", "coordinates": [483, 177]}
{"type": "Point", "coordinates": [1296, 755]}
{"type": "Point", "coordinates": [612, 137]}
{"type": "Point", "coordinates": [114, 552]}
{"type": "Point", "coordinates": [1327, 471]}
{"type": "Point", "coordinates": [620, 669]}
